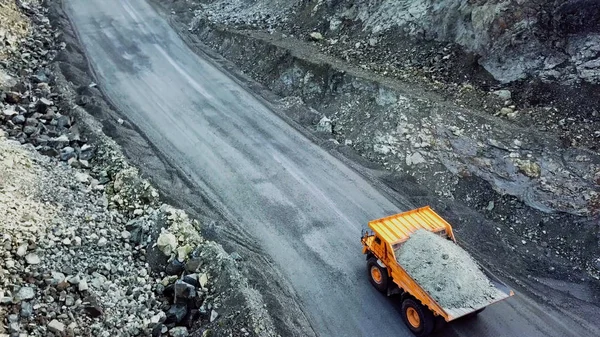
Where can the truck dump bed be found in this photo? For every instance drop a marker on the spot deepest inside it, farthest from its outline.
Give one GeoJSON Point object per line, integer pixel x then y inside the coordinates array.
{"type": "Point", "coordinates": [394, 231]}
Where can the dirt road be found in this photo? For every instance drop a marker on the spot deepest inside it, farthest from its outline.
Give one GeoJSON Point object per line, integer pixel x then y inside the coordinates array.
{"type": "Point", "coordinates": [304, 207]}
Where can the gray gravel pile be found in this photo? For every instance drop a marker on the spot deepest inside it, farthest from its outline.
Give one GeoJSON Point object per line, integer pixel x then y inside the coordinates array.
{"type": "Point", "coordinates": [447, 272]}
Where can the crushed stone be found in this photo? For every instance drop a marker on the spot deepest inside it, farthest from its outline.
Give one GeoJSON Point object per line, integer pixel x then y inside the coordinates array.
{"type": "Point", "coordinates": [446, 271]}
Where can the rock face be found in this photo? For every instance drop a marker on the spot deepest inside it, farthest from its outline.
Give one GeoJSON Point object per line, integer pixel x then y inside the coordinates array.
{"type": "Point", "coordinates": [555, 40]}
{"type": "Point", "coordinates": [447, 272]}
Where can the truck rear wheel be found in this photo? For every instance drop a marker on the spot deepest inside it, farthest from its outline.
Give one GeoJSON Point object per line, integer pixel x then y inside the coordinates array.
{"type": "Point", "coordinates": [377, 275]}
{"type": "Point", "coordinates": [417, 317]}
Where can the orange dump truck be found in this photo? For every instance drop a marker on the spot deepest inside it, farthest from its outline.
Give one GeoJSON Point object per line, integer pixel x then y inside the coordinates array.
{"type": "Point", "coordinates": [420, 311]}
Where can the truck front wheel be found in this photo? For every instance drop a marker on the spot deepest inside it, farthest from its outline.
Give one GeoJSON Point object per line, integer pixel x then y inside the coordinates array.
{"type": "Point", "coordinates": [417, 317]}
{"type": "Point", "coordinates": [377, 275]}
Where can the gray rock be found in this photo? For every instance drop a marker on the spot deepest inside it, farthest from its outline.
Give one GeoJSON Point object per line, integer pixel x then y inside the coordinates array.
{"type": "Point", "coordinates": [18, 119]}
{"type": "Point", "coordinates": [193, 265]}
{"type": "Point", "coordinates": [83, 286]}
{"type": "Point", "coordinates": [67, 153]}
{"type": "Point", "coordinates": [503, 94]}
{"type": "Point", "coordinates": [25, 293]}
{"type": "Point", "coordinates": [179, 331]}
{"type": "Point", "coordinates": [56, 327]}
{"type": "Point", "coordinates": [325, 125]}
{"type": "Point", "coordinates": [29, 130]}
{"type": "Point", "coordinates": [26, 309]}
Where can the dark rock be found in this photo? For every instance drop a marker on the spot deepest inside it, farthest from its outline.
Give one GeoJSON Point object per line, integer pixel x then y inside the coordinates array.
{"type": "Point", "coordinates": [39, 77]}
{"type": "Point", "coordinates": [157, 330]}
{"type": "Point", "coordinates": [136, 230]}
{"type": "Point", "coordinates": [193, 265]}
{"type": "Point", "coordinates": [29, 130]}
{"type": "Point", "coordinates": [169, 291]}
{"type": "Point", "coordinates": [184, 291]}
{"type": "Point", "coordinates": [47, 151]}
{"type": "Point", "coordinates": [63, 122]}
{"type": "Point", "coordinates": [91, 307]}
{"type": "Point", "coordinates": [43, 104]}
{"type": "Point", "coordinates": [176, 313]}
{"type": "Point", "coordinates": [174, 267]}
{"type": "Point", "coordinates": [67, 153]}
{"type": "Point", "coordinates": [192, 317]}
{"type": "Point", "coordinates": [12, 97]}
{"type": "Point", "coordinates": [191, 280]}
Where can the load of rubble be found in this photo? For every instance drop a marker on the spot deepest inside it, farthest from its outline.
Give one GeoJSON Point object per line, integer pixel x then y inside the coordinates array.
{"type": "Point", "coordinates": [446, 271]}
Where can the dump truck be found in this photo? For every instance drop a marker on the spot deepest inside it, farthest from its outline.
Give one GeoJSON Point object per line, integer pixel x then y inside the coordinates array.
{"type": "Point", "coordinates": [420, 311]}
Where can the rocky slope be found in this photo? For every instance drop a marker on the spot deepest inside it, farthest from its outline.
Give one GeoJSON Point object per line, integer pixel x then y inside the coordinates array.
{"type": "Point", "coordinates": [88, 247]}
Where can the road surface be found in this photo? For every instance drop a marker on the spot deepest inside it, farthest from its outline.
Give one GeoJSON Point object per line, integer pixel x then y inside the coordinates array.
{"type": "Point", "coordinates": [304, 207]}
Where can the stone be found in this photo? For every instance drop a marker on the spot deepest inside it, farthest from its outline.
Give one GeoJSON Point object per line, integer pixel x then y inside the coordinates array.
{"type": "Point", "coordinates": [25, 293]}
{"type": "Point", "coordinates": [191, 279]}
{"type": "Point", "coordinates": [158, 318]}
{"type": "Point", "coordinates": [213, 315]}
{"type": "Point", "coordinates": [325, 125]}
{"type": "Point", "coordinates": [503, 94]}
{"type": "Point", "coordinates": [415, 159]}
{"type": "Point", "coordinates": [176, 313]}
{"type": "Point", "coordinates": [179, 331]}
{"type": "Point", "coordinates": [529, 168]}
{"type": "Point", "coordinates": [32, 258]}
{"type": "Point", "coordinates": [26, 309]}
{"type": "Point", "coordinates": [56, 278]}
{"type": "Point", "coordinates": [56, 327]}
{"type": "Point", "coordinates": [22, 250]}
{"type": "Point", "coordinates": [184, 291]}
{"type": "Point", "coordinates": [69, 301]}
{"type": "Point", "coordinates": [102, 242]}
{"type": "Point", "coordinates": [18, 119]}
{"type": "Point", "coordinates": [193, 265]}
{"type": "Point", "coordinates": [43, 104]}
{"type": "Point", "coordinates": [505, 111]}
{"type": "Point", "coordinates": [83, 286]}
{"type": "Point", "coordinates": [29, 130]}
{"type": "Point", "coordinates": [316, 36]}
{"type": "Point", "coordinates": [167, 243]}
{"type": "Point", "coordinates": [67, 153]}
{"type": "Point", "coordinates": [175, 267]}
{"type": "Point", "coordinates": [92, 308]}
{"type": "Point", "coordinates": [86, 152]}
{"type": "Point", "coordinates": [203, 280]}
{"type": "Point", "coordinates": [12, 97]}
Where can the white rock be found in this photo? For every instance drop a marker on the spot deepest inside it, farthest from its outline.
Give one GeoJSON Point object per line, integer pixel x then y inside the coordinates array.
{"type": "Point", "coordinates": [203, 280]}
{"type": "Point", "coordinates": [83, 286]}
{"type": "Point", "coordinates": [316, 36]}
{"type": "Point", "coordinates": [325, 125]}
{"type": "Point", "coordinates": [22, 250]}
{"type": "Point", "coordinates": [32, 258]}
{"type": "Point", "coordinates": [213, 315]}
{"type": "Point", "coordinates": [415, 159]}
{"type": "Point", "coordinates": [102, 242]}
{"type": "Point", "coordinates": [167, 243]}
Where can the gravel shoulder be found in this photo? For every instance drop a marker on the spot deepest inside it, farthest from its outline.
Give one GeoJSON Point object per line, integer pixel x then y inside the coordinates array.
{"type": "Point", "coordinates": [90, 247]}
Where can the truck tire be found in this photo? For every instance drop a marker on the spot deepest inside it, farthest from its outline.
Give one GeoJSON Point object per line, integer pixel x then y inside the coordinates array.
{"type": "Point", "coordinates": [417, 318]}
{"type": "Point", "coordinates": [377, 275]}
